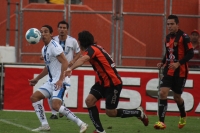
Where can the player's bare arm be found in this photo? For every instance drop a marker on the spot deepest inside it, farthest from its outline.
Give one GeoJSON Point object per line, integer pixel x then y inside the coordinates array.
{"type": "Point", "coordinates": [78, 63]}
{"type": "Point", "coordinates": [76, 57]}
{"type": "Point", "coordinates": [64, 65]}
{"type": "Point", "coordinates": [34, 81]}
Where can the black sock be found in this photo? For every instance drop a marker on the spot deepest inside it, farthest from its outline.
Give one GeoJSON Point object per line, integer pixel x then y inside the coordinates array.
{"type": "Point", "coordinates": [94, 116]}
{"type": "Point", "coordinates": [123, 113]}
{"type": "Point", "coordinates": [162, 110]}
{"type": "Point", "coordinates": [182, 109]}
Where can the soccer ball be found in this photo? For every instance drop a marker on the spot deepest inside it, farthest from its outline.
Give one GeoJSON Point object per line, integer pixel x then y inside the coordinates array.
{"type": "Point", "coordinates": [33, 36]}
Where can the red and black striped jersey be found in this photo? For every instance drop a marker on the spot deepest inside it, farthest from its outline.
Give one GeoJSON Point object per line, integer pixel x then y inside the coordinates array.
{"type": "Point", "coordinates": [178, 49]}
{"type": "Point", "coordinates": [104, 66]}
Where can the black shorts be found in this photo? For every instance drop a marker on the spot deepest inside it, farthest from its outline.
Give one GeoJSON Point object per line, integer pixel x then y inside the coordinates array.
{"type": "Point", "coordinates": [111, 94]}
{"type": "Point", "coordinates": [176, 84]}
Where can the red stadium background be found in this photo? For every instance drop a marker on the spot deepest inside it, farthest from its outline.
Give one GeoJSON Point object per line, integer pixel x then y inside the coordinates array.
{"type": "Point", "coordinates": [147, 30]}
{"type": "Point", "coordinates": [140, 85]}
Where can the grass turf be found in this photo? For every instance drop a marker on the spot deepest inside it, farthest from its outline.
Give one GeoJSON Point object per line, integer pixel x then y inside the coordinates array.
{"type": "Point", "coordinates": [23, 122]}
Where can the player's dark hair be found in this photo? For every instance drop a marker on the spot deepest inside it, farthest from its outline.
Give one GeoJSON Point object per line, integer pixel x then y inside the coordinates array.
{"type": "Point", "coordinates": [86, 39]}
{"type": "Point", "coordinates": [63, 22]}
{"type": "Point", "coordinates": [173, 17]}
{"type": "Point", "coordinates": [49, 27]}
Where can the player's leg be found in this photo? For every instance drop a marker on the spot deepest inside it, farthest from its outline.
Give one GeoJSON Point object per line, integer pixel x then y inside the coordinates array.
{"type": "Point", "coordinates": [36, 98]}
{"type": "Point", "coordinates": [112, 100]}
{"type": "Point", "coordinates": [57, 106]}
{"type": "Point", "coordinates": [181, 107]}
{"type": "Point", "coordinates": [162, 108]}
{"type": "Point", "coordinates": [96, 93]}
{"type": "Point", "coordinates": [163, 103]}
{"type": "Point", "coordinates": [94, 113]}
{"type": "Point", "coordinates": [53, 112]}
{"type": "Point", "coordinates": [166, 84]}
{"type": "Point", "coordinates": [178, 90]}
{"type": "Point", "coordinates": [66, 85]}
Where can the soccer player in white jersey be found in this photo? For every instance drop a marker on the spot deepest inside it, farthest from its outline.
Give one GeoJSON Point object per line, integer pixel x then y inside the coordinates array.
{"type": "Point", "coordinates": [72, 53]}
{"type": "Point", "coordinates": [55, 64]}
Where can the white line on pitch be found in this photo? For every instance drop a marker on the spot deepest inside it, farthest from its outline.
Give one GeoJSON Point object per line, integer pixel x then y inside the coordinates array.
{"type": "Point", "coordinates": [14, 124]}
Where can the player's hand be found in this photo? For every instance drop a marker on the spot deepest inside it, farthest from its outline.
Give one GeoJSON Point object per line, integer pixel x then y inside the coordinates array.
{"type": "Point", "coordinates": [159, 65]}
{"type": "Point", "coordinates": [174, 65]}
{"type": "Point", "coordinates": [58, 84]}
{"type": "Point", "coordinates": [32, 82]}
{"type": "Point", "coordinates": [68, 72]}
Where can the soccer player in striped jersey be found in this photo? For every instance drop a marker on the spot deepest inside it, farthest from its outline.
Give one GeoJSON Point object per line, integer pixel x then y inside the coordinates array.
{"type": "Point", "coordinates": [108, 86]}
{"type": "Point", "coordinates": [72, 53]}
{"type": "Point", "coordinates": [55, 64]}
{"type": "Point", "coordinates": [179, 51]}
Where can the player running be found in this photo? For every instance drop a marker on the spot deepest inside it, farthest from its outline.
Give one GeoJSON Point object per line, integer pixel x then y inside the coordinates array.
{"type": "Point", "coordinates": [55, 64]}
{"type": "Point", "coordinates": [108, 86]}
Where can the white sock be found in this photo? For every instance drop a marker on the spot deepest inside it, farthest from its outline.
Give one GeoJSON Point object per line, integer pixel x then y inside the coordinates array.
{"type": "Point", "coordinates": [65, 111]}
{"type": "Point", "coordinates": [50, 106]}
{"type": "Point", "coordinates": [39, 110]}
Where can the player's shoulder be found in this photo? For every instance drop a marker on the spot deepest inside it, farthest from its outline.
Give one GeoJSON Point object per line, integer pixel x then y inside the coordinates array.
{"type": "Point", "coordinates": [94, 47]}
{"type": "Point", "coordinates": [56, 38]}
{"type": "Point", "coordinates": [70, 38]}
{"type": "Point", "coordinates": [43, 48]}
{"type": "Point", "coordinates": [183, 34]}
{"type": "Point", "coordinates": [168, 37]}
{"type": "Point", "coordinates": [54, 43]}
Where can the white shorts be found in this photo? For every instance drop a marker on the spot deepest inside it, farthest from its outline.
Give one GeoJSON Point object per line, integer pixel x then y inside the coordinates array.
{"type": "Point", "coordinates": [49, 91]}
{"type": "Point", "coordinates": [66, 82]}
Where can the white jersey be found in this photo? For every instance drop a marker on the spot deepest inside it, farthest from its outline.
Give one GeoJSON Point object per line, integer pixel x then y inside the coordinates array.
{"type": "Point", "coordinates": [70, 47]}
{"type": "Point", "coordinates": [49, 53]}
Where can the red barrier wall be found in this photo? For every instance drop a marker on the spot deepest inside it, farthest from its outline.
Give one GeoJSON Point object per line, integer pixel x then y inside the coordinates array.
{"type": "Point", "coordinates": [139, 88]}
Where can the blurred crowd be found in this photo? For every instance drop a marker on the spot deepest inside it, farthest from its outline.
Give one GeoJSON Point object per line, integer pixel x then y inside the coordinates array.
{"type": "Point", "coordinates": [194, 38]}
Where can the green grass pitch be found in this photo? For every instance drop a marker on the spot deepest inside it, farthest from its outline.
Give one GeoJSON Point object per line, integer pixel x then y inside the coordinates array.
{"type": "Point", "coordinates": [23, 122]}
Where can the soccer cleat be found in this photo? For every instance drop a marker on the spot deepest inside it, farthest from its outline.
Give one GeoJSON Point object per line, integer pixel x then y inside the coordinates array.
{"type": "Point", "coordinates": [61, 115]}
{"type": "Point", "coordinates": [96, 131]}
{"type": "Point", "coordinates": [159, 125]}
{"type": "Point", "coordinates": [42, 128]}
{"type": "Point", "coordinates": [83, 127]}
{"type": "Point", "coordinates": [182, 122]}
{"type": "Point", "coordinates": [54, 116]}
{"type": "Point", "coordinates": [143, 116]}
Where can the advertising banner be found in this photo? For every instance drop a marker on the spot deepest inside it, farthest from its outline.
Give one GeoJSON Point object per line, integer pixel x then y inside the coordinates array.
{"type": "Point", "coordinates": [140, 87]}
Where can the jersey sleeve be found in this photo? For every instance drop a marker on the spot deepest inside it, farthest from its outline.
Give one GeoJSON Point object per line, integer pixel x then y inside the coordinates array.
{"type": "Point", "coordinates": [189, 53]}
{"type": "Point", "coordinates": [56, 49]}
{"type": "Point", "coordinates": [186, 42]}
